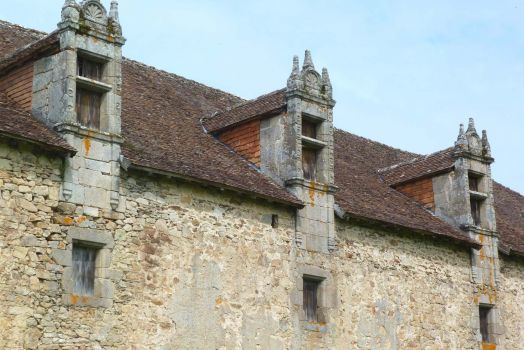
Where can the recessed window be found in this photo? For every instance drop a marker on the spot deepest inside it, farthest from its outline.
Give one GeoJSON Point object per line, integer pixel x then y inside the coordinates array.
{"type": "Point", "coordinates": [84, 262]}
{"type": "Point", "coordinates": [485, 320]}
{"type": "Point", "coordinates": [88, 105]}
{"type": "Point", "coordinates": [309, 129]}
{"type": "Point", "coordinates": [476, 204]}
{"type": "Point", "coordinates": [310, 300]}
{"type": "Point", "coordinates": [274, 221]}
{"type": "Point", "coordinates": [89, 69]}
{"type": "Point", "coordinates": [309, 163]}
{"type": "Point", "coordinates": [474, 182]}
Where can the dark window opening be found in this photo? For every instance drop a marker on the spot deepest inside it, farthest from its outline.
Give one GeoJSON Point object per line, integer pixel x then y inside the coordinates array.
{"type": "Point", "coordinates": [89, 69]}
{"type": "Point", "coordinates": [88, 105]}
{"type": "Point", "coordinates": [84, 259]}
{"type": "Point", "coordinates": [309, 163]}
{"type": "Point", "coordinates": [274, 221]}
{"type": "Point", "coordinates": [310, 299]}
{"type": "Point", "coordinates": [474, 183]}
{"type": "Point", "coordinates": [484, 314]}
{"type": "Point", "coordinates": [309, 129]}
{"type": "Point", "coordinates": [475, 210]}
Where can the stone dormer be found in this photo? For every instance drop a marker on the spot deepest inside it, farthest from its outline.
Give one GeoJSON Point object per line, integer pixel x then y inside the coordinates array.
{"type": "Point", "coordinates": [296, 149]}
{"type": "Point", "coordinates": [77, 91]}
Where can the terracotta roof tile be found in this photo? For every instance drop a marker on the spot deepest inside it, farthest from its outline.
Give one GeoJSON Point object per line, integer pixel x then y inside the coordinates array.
{"type": "Point", "coordinates": [16, 123]}
{"type": "Point", "coordinates": [269, 104]}
{"type": "Point", "coordinates": [418, 167]}
{"type": "Point", "coordinates": [509, 207]}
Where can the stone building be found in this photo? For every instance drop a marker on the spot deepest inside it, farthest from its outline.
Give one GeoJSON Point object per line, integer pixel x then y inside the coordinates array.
{"type": "Point", "coordinates": [143, 210]}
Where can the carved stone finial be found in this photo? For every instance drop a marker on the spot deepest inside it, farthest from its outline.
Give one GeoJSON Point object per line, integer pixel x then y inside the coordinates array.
{"type": "Point", "coordinates": [471, 126]}
{"type": "Point", "coordinates": [326, 83]}
{"type": "Point", "coordinates": [486, 148]}
{"type": "Point", "coordinates": [70, 11]}
{"type": "Point", "coordinates": [308, 61]}
{"type": "Point", "coordinates": [462, 141]}
{"type": "Point", "coordinates": [294, 79]}
{"type": "Point", "coordinates": [113, 12]}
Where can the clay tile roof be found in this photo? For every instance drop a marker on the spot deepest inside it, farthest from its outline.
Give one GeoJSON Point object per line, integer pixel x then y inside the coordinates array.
{"type": "Point", "coordinates": [509, 208]}
{"type": "Point", "coordinates": [362, 193]}
{"type": "Point", "coordinates": [269, 104]}
{"type": "Point", "coordinates": [16, 123]}
{"type": "Point", "coordinates": [418, 167]}
{"type": "Point", "coordinates": [174, 140]}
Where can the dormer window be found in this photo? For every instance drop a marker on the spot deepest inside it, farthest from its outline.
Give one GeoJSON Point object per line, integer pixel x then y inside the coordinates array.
{"type": "Point", "coordinates": [476, 197]}
{"type": "Point", "coordinates": [90, 90]}
{"type": "Point", "coordinates": [311, 146]}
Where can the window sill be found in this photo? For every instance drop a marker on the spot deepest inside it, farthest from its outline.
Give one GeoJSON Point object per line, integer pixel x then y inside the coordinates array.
{"type": "Point", "coordinates": [94, 85]}
{"type": "Point", "coordinates": [319, 327]}
{"type": "Point", "coordinates": [313, 143]}
{"type": "Point", "coordinates": [477, 195]}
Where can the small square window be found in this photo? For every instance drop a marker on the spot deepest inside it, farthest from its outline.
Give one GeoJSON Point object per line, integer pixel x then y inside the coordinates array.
{"type": "Point", "coordinates": [485, 320]}
{"type": "Point", "coordinates": [310, 300]}
{"type": "Point", "coordinates": [84, 263]}
{"type": "Point", "coordinates": [309, 163]}
{"type": "Point", "coordinates": [88, 104]}
{"type": "Point", "coordinates": [89, 69]}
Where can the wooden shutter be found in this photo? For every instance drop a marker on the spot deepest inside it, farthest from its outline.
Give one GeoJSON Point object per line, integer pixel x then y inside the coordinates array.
{"type": "Point", "coordinates": [89, 69]}
{"type": "Point", "coordinates": [88, 105]}
{"type": "Point", "coordinates": [309, 163]}
{"type": "Point", "coordinates": [310, 290]}
{"type": "Point", "coordinates": [309, 129]}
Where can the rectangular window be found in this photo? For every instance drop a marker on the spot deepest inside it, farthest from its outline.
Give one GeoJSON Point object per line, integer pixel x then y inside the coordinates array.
{"type": "Point", "coordinates": [475, 210]}
{"type": "Point", "coordinates": [309, 129]}
{"type": "Point", "coordinates": [309, 163]}
{"type": "Point", "coordinates": [474, 183]}
{"type": "Point", "coordinates": [484, 314]}
{"type": "Point", "coordinates": [310, 299]}
{"type": "Point", "coordinates": [88, 105]}
{"type": "Point", "coordinates": [84, 260]}
{"type": "Point", "coordinates": [89, 69]}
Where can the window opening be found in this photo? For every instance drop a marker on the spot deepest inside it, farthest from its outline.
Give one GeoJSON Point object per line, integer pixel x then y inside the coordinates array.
{"type": "Point", "coordinates": [484, 315]}
{"type": "Point", "coordinates": [309, 163]}
{"type": "Point", "coordinates": [309, 129]}
{"type": "Point", "coordinates": [274, 221]}
{"type": "Point", "coordinates": [475, 210]}
{"type": "Point", "coordinates": [89, 69]}
{"type": "Point", "coordinates": [474, 182]}
{"type": "Point", "coordinates": [88, 105]}
{"type": "Point", "coordinates": [84, 261]}
{"type": "Point", "coordinates": [310, 299]}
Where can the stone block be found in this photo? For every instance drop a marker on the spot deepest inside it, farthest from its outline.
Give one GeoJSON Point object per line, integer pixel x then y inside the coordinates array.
{"type": "Point", "coordinates": [97, 197]}
{"type": "Point", "coordinates": [94, 178]}
{"type": "Point", "coordinates": [95, 165]}
{"type": "Point", "coordinates": [104, 288]}
{"type": "Point", "coordinates": [103, 258]}
{"type": "Point", "coordinates": [62, 257]}
{"type": "Point", "coordinates": [103, 238]}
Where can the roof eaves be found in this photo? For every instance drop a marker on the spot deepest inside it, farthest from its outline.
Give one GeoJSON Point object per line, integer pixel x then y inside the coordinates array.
{"type": "Point", "coordinates": [129, 164]}
{"type": "Point", "coordinates": [64, 150]}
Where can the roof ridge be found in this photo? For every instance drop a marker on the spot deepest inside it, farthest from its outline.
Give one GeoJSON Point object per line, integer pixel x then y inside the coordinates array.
{"type": "Point", "coordinates": [34, 31]}
{"type": "Point", "coordinates": [376, 142]}
{"type": "Point", "coordinates": [174, 75]}
{"type": "Point", "coordinates": [414, 160]}
{"type": "Point", "coordinates": [253, 100]}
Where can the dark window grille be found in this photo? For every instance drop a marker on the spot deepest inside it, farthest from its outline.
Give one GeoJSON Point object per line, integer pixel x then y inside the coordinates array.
{"type": "Point", "coordinates": [484, 313]}
{"type": "Point", "coordinates": [84, 259]}
{"type": "Point", "coordinates": [475, 210]}
{"type": "Point", "coordinates": [89, 69]}
{"type": "Point", "coordinates": [311, 299]}
{"type": "Point", "coordinates": [88, 105]}
{"type": "Point", "coordinates": [309, 163]}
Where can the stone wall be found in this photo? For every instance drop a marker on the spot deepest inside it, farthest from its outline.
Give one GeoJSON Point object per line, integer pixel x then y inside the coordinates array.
{"type": "Point", "coordinates": [197, 268]}
{"type": "Point", "coordinates": [511, 302]}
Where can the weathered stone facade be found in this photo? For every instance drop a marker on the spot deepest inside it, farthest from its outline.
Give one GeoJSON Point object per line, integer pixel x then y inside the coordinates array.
{"type": "Point", "coordinates": [184, 263]}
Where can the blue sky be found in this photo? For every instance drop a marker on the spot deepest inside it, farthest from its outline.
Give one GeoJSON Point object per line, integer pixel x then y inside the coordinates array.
{"type": "Point", "coordinates": [405, 72]}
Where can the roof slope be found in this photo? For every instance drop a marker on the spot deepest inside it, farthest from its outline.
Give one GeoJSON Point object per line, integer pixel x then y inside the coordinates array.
{"type": "Point", "coordinates": [272, 103]}
{"type": "Point", "coordinates": [19, 124]}
{"type": "Point", "coordinates": [420, 166]}
{"type": "Point", "coordinates": [174, 140]}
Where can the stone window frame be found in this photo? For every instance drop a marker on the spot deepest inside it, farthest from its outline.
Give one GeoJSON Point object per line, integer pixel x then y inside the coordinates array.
{"type": "Point", "coordinates": [327, 298]}
{"type": "Point", "coordinates": [103, 286]}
